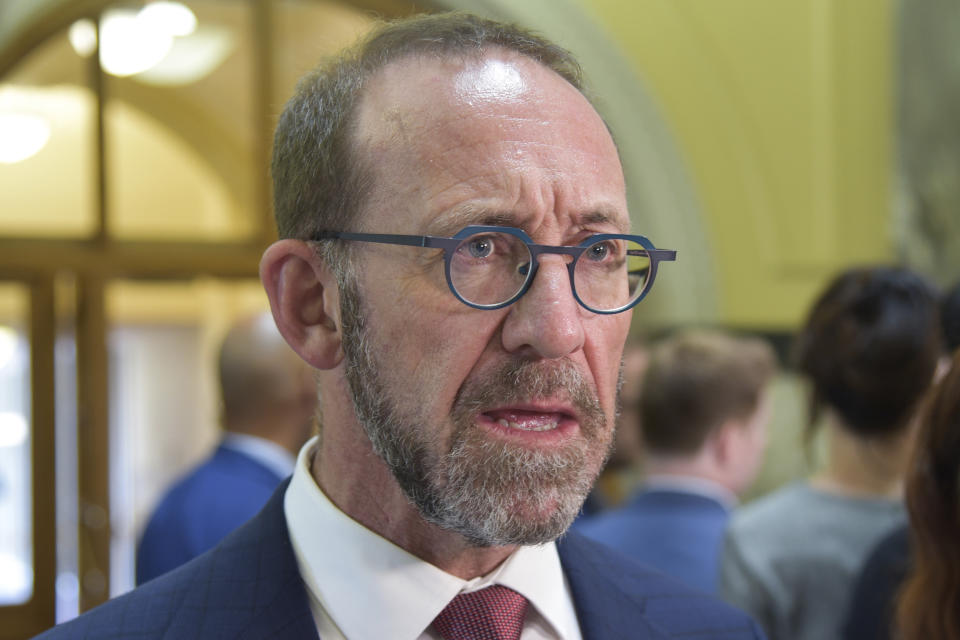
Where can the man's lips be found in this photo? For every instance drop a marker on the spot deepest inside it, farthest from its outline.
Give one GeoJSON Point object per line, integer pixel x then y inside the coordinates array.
{"type": "Point", "coordinates": [526, 420]}
{"type": "Point", "coordinates": [530, 418]}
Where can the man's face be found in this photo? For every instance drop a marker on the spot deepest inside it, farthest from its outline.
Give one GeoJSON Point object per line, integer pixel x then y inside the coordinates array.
{"type": "Point", "coordinates": [495, 423]}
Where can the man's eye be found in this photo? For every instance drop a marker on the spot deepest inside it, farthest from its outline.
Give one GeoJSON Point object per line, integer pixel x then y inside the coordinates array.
{"type": "Point", "coordinates": [598, 252]}
{"type": "Point", "coordinates": [480, 247]}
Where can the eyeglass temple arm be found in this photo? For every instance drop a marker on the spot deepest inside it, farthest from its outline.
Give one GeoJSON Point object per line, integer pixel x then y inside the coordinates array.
{"type": "Point", "coordinates": [385, 238]}
{"type": "Point", "coordinates": [660, 255]}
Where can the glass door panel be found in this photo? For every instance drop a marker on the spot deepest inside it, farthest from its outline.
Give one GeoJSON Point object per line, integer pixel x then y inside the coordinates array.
{"type": "Point", "coordinates": [164, 403]}
{"type": "Point", "coordinates": [16, 512]}
{"type": "Point", "coordinates": [47, 118]}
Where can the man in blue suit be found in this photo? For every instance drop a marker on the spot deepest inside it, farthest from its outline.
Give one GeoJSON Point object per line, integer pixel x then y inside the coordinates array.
{"type": "Point", "coordinates": [703, 416]}
{"type": "Point", "coordinates": [268, 400]}
{"type": "Point", "coordinates": [468, 376]}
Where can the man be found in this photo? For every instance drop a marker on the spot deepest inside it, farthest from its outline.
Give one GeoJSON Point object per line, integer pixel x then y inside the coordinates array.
{"type": "Point", "coordinates": [269, 399]}
{"type": "Point", "coordinates": [468, 389]}
{"type": "Point", "coordinates": [703, 414]}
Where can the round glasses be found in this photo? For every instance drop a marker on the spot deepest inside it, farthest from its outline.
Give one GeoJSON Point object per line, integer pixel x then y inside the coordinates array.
{"type": "Point", "coordinates": [489, 267]}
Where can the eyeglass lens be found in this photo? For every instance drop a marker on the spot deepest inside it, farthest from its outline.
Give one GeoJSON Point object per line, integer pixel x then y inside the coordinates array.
{"type": "Point", "coordinates": [490, 268]}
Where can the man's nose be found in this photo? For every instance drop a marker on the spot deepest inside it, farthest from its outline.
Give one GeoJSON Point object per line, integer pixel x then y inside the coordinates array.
{"type": "Point", "coordinates": [547, 321]}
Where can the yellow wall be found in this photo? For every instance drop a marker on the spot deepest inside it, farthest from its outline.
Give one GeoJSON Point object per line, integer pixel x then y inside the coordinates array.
{"type": "Point", "coordinates": [783, 114]}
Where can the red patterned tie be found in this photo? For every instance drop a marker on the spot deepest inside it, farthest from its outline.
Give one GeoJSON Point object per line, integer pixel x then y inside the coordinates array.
{"type": "Point", "coordinates": [493, 613]}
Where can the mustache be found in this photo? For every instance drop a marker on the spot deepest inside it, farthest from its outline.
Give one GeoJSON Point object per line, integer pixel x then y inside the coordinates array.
{"type": "Point", "coordinates": [519, 381]}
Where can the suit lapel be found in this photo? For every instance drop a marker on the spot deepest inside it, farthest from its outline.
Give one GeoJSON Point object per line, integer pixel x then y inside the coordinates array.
{"type": "Point", "coordinates": [263, 545]}
{"type": "Point", "coordinates": [610, 602]}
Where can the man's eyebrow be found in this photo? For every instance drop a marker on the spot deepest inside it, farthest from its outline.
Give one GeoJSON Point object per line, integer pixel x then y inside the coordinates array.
{"type": "Point", "coordinates": [454, 221]}
{"type": "Point", "coordinates": [604, 218]}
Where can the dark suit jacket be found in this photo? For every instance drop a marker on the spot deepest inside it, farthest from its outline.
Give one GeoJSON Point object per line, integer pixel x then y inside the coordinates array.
{"type": "Point", "coordinates": [676, 532]}
{"type": "Point", "coordinates": [249, 587]}
{"type": "Point", "coordinates": [218, 496]}
{"type": "Point", "coordinates": [873, 604]}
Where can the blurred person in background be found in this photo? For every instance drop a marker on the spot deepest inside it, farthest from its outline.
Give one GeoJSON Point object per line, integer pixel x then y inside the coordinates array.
{"type": "Point", "coordinates": [950, 317]}
{"type": "Point", "coordinates": [929, 604]}
{"type": "Point", "coordinates": [873, 605]}
{"type": "Point", "coordinates": [268, 403]}
{"type": "Point", "coordinates": [869, 349]}
{"type": "Point", "coordinates": [702, 413]}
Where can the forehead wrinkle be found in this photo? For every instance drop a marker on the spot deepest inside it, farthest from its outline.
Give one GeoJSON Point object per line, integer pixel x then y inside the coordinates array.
{"type": "Point", "coordinates": [520, 199]}
{"type": "Point", "coordinates": [410, 129]}
{"type": "Point", "coordinates": [450, 222]}
{"type": "Point", "coordinates": [604, 217]}
{"type": "Point", "coordinates": [518, 158]}
{"type": "Point", "coordinates": [453, 221]}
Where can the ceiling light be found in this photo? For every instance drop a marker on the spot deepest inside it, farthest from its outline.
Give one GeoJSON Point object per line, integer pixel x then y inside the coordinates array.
{"type": "Point", "coordinates": [23, 135]}
{"type": "Point", "coordinates": [191, 57]}
{"type": "Point", "coordinates": [130, 43]}
{"type": "Point", "coordinates": [171, 17]}
{"type": "Point", "coordinates": [83, 37]}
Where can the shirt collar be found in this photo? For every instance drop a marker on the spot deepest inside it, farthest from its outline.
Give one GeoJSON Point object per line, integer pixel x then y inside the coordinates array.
{"type": "Point", "coordinates": [267, 452]}
{"type": "Point", "coordinates": [352, 571]}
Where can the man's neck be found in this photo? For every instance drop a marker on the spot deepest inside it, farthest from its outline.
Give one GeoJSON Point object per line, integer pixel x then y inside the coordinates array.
{"type": "Point", "coordinates": [361, 485]}
{"type": "Point", "coordinates": [275, 427]}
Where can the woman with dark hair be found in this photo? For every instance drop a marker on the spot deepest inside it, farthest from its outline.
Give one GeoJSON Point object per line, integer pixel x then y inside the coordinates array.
{"type": "Point", "coordinates": [930, 498]}
{"type": "Point", "coordinates": [929, 607]}
{"type": "Point", "coordinates": [868, 349]}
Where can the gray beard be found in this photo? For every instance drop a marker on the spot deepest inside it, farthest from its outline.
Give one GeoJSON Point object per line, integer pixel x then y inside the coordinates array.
{"type": "Point", "coordinates": [491, 492]}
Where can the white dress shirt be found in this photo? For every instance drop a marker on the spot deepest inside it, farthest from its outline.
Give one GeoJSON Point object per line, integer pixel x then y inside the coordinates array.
{"type": "Point", "coordinates": [361, 586]}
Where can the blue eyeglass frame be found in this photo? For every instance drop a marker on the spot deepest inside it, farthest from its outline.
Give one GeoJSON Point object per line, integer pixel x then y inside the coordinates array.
{"type": "Point", "coordinates": [449, 245]}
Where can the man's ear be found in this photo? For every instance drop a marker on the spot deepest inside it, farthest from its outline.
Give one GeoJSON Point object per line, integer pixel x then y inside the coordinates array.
{"type": "Point", "coordinates": [305, 301]}
{"type": "Point", "coordinates": [724, 441]}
